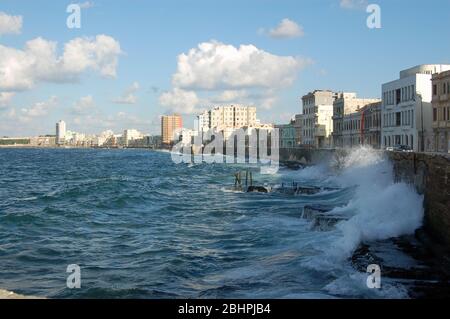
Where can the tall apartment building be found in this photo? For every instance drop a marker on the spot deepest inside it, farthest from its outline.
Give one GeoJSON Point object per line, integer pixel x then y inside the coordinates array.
{"type": "Point", "coordinates": [318, 118]}
{"type": "Point", "coordinates": [170, 124]}
{"type": "Point", "coordinates": [346, 109]}
{"type": "Point", "coordinates": [441, 111]}
{"type": "Point", "coordinates": [406, 112]}
{"type": "Point", "coordinates": [228, 117]}
{"type": "Point", "coordinates": [60, 132]}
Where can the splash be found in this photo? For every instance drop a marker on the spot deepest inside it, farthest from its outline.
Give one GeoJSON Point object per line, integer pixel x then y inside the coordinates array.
{"type": "Point", "coordinates": [381, 209]}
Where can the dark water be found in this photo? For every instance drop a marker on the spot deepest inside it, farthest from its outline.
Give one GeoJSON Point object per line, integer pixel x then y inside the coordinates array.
{"type": "Point", "coordinates": [140, 226]}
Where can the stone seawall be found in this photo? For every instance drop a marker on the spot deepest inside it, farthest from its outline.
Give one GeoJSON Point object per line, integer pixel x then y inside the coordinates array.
{"type": "Point", "coordinates": [429, 173]}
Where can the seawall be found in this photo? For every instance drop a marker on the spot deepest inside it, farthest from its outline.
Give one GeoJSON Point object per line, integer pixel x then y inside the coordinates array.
{"type": "Point", "coordinates": [429, 173]}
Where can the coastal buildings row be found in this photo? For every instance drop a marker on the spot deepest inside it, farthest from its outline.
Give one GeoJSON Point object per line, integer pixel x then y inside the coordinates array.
{"type": "Point", "coordinates": [414, 112]}
{"type": "Point", "coordinates": [225, 119]}
{"type": "Point", "coordinates": [63, 137]}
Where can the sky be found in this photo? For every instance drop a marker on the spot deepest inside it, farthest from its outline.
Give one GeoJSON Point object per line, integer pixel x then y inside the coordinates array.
{"type": "Point", "coordinates": [132, 61]}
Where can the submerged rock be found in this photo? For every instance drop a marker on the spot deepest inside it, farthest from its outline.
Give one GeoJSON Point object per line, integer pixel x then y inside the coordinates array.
{"type": "Point", "coordinates": [257, 189]}
{"type": "Point", "coordinates": [322, 219]}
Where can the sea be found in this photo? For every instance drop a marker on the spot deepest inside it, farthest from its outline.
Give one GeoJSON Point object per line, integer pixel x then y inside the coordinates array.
{"type": "Point", "coordinates": [139, 225]}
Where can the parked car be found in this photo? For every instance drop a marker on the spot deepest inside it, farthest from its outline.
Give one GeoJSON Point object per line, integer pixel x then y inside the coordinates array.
{"type": "Point", "coordinates": [399, 148]}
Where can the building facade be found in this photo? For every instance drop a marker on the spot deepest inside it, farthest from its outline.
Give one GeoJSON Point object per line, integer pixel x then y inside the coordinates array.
{"type": "Point", "coordinates": [406, 113]}
{"type": "Point", "coordinates": [318, 118]}
{"type": "Point", "coordinates": [287, 135]}
{"type": "Point", "coordinates": [441, 111]}
{"type": "Point", "coordinates": [346, 109]}
{"type": "Point", "coordinates": [371, 125]}
{"type": "Point", "coordinates": [298, 126]}
{"type": "Point", "coordinates": [170, 124]}
{"type": "Point", "coordinates": [227, 119]}
{"type": "Point", "coordinates": [131, 135]}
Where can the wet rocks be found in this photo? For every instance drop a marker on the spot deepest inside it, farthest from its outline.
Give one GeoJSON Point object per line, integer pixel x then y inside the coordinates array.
{"type": "Point", "coordinates": [424, 275]}
{"type": "Point", "coordinates": [321, 218]}
{"type": "Point", "coordinates": [257, 189]}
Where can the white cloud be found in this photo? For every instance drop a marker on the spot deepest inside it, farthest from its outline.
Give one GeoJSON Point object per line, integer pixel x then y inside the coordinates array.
{"type": "Point", "coordinates": [128, 97]}
{"type": "Point", "coordinates": [38, 61]}
{"type": "Point", "coordinates": [264, 99]}
{"type": "Point", "coordinates": [216, 73]}
{"type": "Point", "coordinates": [180, 101]}
{"type": "Point", "coordinates": [353, 4]}
{"type": "Point", "coordinates": [97, 122]}
{"type": "Point", "coordinates": [230, 96]}
{"type": "Point", "coordinates": [38, 109]}
{"type": "Point", "coordinates": [214, 65]}
{"type": "Point", "coordinates": [84, 105]}
{"type": "Point", "coordinates": [10, 24]}
{"type": "Point", "coordinates": [287, 29]}
{"type": "Point", "coordinates": [5, 98]}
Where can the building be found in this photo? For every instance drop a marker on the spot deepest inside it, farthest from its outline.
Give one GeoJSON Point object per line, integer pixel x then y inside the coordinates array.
{"type": "Point", "coordinates": [287, 135]}
{"type": "Point", "coordinates": [170, 124]}
{"type": "Point", "coordinates": [441, 111]}
{"type": "Point", "coordinates": [406, 114]}
{"type": "Point", "coordinates": [232, 116]}
{"type": "Point", "coordinates": [298, 126]}
{"type": "Point", "coordinates": [371, 125]}
{"type": "Point", "coordinates": [60, 132]}
{"type": "Point", "coordinates": [346, 115]}
{"type": "Point", "coordinates": [227, 119]}
{"type": "Point", "coordinates": [101, 140]}
{"type": "Point", "coordinates": [131, 135]}
{"type": "Point", "coordinates": [318, 118]}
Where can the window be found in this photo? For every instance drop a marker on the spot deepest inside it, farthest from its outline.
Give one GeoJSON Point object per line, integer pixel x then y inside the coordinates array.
{"type": "Point", "coordinates": [398, 118]}
{"type": "Point", "coordinates": [434, 114]}
{"type": "Point", "coordinates": [398, 96]}
{"type": "Point", "coordinates": [434, 89]}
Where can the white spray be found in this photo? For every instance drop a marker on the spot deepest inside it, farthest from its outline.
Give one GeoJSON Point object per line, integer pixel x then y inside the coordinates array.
{"type": "Point", "coordinates": [382, 209]}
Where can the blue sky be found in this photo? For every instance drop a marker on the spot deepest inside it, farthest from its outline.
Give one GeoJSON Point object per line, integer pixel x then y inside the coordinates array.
{"type": "Point", "coordinates": [335, 50]}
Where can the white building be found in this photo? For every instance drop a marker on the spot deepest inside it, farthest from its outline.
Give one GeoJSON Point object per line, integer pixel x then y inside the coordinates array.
{"type": "Point", "coordinates": [318, 118]}
{"type": "Point", "coordinates": [130, 135]}
{"type": "Point", "coordinates": [228, 119]}
{"type": "Point", "coordinates": [101, 139]}
{"type": "Point", "coordinates": [60, 132]}
{"type": "Point", "coordinates": [406, 115]}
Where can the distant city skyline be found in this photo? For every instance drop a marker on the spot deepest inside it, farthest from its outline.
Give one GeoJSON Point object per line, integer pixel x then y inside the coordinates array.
{"type": "Point", "coordinates": [112, 74]}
